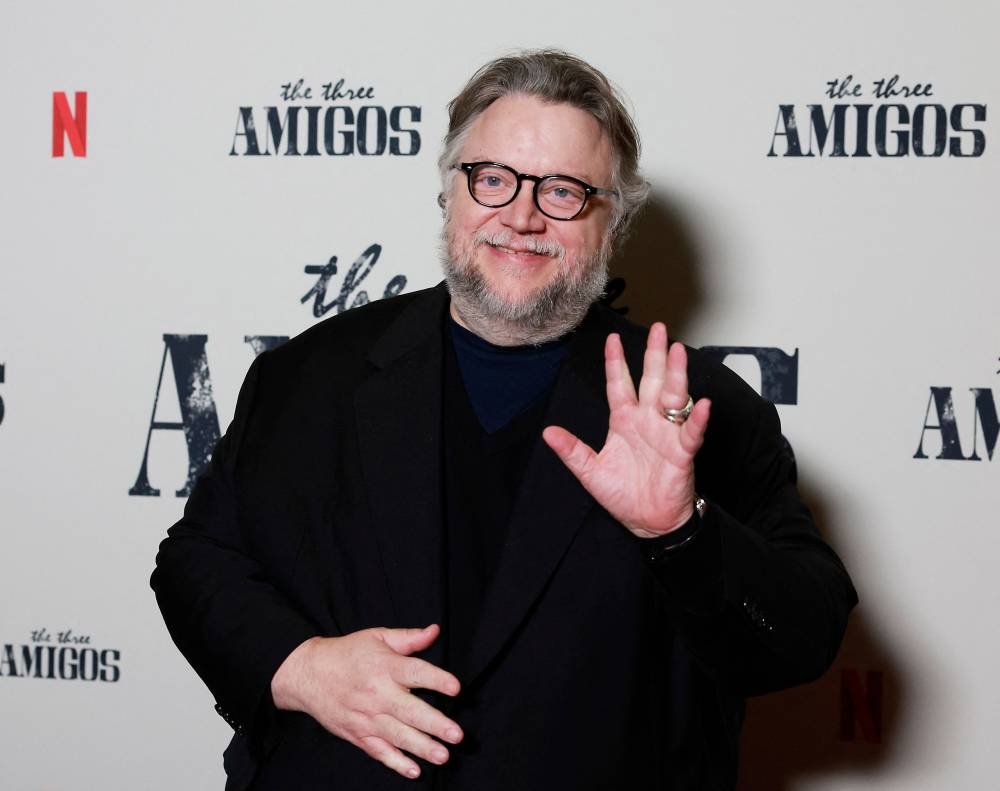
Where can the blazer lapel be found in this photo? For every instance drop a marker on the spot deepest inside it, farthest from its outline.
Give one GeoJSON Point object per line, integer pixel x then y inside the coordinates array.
{"type": "Point", "coordinates": [399, 427]}
{"type": "Point", "coordinates": [551, 504]}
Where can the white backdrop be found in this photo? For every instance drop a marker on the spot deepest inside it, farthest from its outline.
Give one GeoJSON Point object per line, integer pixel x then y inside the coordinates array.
{"type": "Point", "coordinates": [879, 270]}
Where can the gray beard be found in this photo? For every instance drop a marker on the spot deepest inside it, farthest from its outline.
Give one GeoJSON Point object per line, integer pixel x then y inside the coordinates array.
{"type": "Point", "coordinates": [549, 312]}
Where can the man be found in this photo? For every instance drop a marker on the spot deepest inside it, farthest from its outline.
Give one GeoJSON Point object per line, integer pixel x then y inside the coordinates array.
{"type": "Point", "coordinates": [409, 565]}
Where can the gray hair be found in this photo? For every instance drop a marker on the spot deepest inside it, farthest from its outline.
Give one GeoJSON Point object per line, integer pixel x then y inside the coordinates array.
{"type": "Point", "coordinates": [560, 78]}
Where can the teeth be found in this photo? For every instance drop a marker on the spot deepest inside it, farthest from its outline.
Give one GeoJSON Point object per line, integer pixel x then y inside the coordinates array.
{"type": "Point", "coordinates": [515, 251]}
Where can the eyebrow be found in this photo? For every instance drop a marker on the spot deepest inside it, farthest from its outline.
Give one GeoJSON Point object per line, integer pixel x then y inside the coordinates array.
{"type": "Point", "coordinates": [585, 177]}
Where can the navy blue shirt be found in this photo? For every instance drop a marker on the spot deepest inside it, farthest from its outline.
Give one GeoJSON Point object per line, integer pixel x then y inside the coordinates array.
{"type": "Point", "coordinates": [503, 381]}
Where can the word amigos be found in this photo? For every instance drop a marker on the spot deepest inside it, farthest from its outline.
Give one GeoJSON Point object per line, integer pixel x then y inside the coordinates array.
{"type": "Point", "coordinates": [65, 660]}
{"type": "Point", "coordinates": [885, 130]}
{"type": "Point", "coordinates": [334, 130]}
{"type": "Point", "coordinates": [941, 406]}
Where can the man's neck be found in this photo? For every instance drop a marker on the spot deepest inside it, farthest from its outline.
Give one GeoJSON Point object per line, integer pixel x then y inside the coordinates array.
{"type": "Point", "coordinates": [502, 333]}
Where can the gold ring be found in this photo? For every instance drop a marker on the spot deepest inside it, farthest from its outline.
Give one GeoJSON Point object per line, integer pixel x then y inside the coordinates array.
{"type": "Point", "coordinates": [678, 416]}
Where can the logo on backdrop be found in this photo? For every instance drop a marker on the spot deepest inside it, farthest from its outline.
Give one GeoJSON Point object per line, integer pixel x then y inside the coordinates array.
{"type": "Point", "coordinates": [199, 420]}
{"type": "Point", "coordinates": [779, 372]}
{"type": "Point", "coordinates": [69, 125]}
{"type": "Point", "coordinates": [949, 415]}
{"type": "Point", "coordinates": [67, 655]}
{"type": "Point", "coordinates": [358, 272]}
{"type": "Point", "coordinates": [861, 705]}
{"type": "Point", "coordinates": [331, 119]}
{"type": "Point", "coordinates": [884, 116]}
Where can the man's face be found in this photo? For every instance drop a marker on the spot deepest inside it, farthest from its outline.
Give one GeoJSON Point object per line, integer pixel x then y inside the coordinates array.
{"type": "Point", "coordinates": [520, 259]}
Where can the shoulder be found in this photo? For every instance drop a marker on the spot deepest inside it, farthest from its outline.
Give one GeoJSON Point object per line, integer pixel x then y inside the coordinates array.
{"type": "Point", "coordinates": [349, 336]}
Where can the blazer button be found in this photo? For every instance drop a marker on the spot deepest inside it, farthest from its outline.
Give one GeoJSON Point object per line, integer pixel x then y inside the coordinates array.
{"type": "Point", "coordinates": [756, 616]}
{"type": "Point", "coordinates": [230, 720]}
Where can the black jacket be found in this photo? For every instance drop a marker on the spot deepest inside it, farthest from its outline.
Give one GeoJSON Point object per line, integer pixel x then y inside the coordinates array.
{"type": "Point", "coordinates": [594, 667]}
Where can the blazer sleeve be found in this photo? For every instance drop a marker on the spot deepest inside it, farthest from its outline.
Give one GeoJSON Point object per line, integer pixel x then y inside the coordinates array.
{"type": "Point", "coordinates": [760, 600]}
{"type": "Point", "coordinates": [229, 621]}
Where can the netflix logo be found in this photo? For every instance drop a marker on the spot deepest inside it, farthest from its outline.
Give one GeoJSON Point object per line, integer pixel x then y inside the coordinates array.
{"type": "Point", "coordinates": [69, 125]}
{"type": "Point", "coordinates": [861, 705]}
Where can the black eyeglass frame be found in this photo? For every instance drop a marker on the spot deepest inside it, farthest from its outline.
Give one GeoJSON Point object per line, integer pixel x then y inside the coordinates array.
{"type": "Point", "coordinates": [588, 189]}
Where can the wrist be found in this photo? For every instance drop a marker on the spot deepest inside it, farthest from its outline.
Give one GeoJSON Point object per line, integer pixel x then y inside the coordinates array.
{"type": "Point", "coordinates": [654, 549]}
{"type": "Point", "coordinates": [286, 684]}
{"type": "Point", "coordinates": [694, 506]}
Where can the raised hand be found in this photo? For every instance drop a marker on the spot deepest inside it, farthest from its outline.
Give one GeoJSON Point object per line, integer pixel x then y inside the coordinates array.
{"type": "Point", "coordinates": [358, 688]}
{"type": "Point", "coordinates": [644, 474]}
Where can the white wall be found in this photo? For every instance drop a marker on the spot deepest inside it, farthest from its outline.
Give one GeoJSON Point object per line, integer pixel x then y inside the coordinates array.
{"type": "Point", "coordinates": [881, 271]}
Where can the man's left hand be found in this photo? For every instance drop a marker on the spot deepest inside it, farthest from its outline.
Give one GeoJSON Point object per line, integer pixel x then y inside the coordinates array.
{"type": "Point", "coordinates": [644, 474]}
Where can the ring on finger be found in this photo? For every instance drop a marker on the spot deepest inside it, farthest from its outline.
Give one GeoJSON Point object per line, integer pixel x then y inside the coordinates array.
{"type": "Point", "coordinates": [678, 416]}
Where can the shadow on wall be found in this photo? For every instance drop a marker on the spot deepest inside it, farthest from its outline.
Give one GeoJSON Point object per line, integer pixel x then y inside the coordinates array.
{"type": "Point", "coordinates": [849, 721]}
{"type": "Point", "coordinates": [658, 262]}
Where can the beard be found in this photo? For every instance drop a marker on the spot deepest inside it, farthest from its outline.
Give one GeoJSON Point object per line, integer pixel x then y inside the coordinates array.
{"type": "Point", "coordinates": [543, 314]}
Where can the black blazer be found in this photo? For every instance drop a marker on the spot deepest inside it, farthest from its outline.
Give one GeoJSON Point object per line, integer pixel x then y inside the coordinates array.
{"type": "Point", "coordinates": [593, 667]}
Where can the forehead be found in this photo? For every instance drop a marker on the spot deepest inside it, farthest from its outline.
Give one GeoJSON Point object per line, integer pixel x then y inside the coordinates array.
{"type": "Point", "coordinates": [538, 137]}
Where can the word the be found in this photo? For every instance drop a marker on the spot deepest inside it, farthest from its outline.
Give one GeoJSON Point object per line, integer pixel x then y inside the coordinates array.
{"type": "Point", "coordinates": [881, 89]}
{"type": "Point", "coordinates": [358, 272]}
{"type": "Point", "coordinates": [331, 92]}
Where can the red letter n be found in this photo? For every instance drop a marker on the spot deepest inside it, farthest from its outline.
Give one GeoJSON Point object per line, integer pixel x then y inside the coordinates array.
{"type": "Point", "coordinates": [69, 125]}
{"type": "Point", "coordinates": [860, 705]}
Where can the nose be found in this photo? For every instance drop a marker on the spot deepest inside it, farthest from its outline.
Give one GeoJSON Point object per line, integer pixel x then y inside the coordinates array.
{"type": "Point", "coordinates": [522, 215]}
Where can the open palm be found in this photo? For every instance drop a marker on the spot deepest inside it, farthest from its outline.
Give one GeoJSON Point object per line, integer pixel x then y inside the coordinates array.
{"type": "Point", "coordinates": [644, 474]}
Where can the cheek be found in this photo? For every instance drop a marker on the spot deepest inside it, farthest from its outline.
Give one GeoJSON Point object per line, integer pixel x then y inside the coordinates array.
{"type": "Point", "coordinates": [466, 213]}
{"type": "Point", "coordinates": [460, 224]}
{"type": "Point", "coordinates": [594, 234]}
{"type": "Point", "coordinates": [459, 232]}
{"type": "Point", "coordinates": [579, 243]}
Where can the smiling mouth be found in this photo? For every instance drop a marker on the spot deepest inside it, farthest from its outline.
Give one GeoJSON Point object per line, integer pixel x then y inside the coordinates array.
{"type": "Point", "coordinates": [521, 251]}
{"type": "Point", "coordinates": [507, 243]}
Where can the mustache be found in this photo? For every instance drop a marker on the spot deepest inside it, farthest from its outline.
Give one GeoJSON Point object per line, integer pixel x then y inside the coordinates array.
{"type": "Point", "coordinates": [523, 244]}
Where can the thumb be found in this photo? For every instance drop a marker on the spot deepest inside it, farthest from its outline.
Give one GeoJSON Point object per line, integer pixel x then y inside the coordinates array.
{"type": "Point", "coordinates": [410, 641]}
{"type": "Point", "coordinates": [576, 454]}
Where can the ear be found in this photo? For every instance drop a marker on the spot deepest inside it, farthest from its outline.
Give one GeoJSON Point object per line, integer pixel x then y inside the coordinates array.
{"type": "Point", "coordinates": [613, 233]}
{"type": "Point", "coordinates": [619, 230]}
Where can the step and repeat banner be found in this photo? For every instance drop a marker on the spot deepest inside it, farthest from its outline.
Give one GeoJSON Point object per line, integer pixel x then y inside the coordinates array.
{"type": "Point", "coordinates": [185, 185]}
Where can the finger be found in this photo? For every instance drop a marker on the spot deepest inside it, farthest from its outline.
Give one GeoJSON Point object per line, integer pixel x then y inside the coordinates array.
{"type": "Point", "coordinates": [424, 717]}
{"type": "Point", "coordinates": [692, 433]}
{"type": "Point", "coordinates": [385, 753]}
{"type": "Point", "coordinates": [410, 641]}
{"type": "Point", "coordinates": [415, 673]}
{"type": "Point", "coordinates": [620, 388]}
{"type": "Point", "coordinates": [675, 380]}
{"type": "Point", "coordinates": [577, 455]}
{"type": "Point", "coordinates": [408, 738]}
{"type": "Point", "coordinates": [654, 363]}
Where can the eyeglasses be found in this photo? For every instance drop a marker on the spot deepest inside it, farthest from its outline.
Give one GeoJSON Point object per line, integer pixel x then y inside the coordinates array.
{"type": "Point", "coordinates": [559, 197]}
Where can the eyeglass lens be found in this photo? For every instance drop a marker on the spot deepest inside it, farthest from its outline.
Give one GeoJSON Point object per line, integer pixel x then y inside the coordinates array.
{"type": "Point", "coordinates": [557, 196]}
